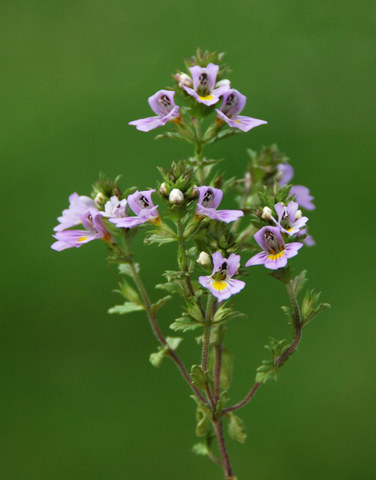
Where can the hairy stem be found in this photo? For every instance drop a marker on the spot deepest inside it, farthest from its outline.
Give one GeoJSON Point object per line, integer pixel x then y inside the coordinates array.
{"type": "Point", "coordinates": [227, 469]}
{"type": "Point", "coordinates": [207, 330]}
{"type": "Point", "coordinates": [153, 322]}
{"type": "Point", "coordinates": [217, 370]}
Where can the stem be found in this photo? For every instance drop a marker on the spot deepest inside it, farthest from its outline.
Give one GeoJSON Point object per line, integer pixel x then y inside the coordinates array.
{"type": "Point", "coordinates": [154, 325]}
{"type": "Point", "coordinates": [207, 330]}
{"type": "Point", "coordinates": [279, 361]}
{"type": "Point", "coordinates": [218, 427]}
{"type": "Point", "coordinates": [199, 151]}
{"type": "Point", "coordinates": [217, 370]}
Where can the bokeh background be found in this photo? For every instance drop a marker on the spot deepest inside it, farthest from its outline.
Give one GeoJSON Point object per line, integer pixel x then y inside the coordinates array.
{"type": "Point", "coordinates": [79, 399]}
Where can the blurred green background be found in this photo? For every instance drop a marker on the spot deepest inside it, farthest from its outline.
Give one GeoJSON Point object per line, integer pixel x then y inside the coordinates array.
{"type": "Point", "coordinates": [79, 398]}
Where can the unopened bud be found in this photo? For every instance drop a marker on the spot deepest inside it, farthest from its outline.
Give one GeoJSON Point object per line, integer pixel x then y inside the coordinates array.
{"type": "Point", "coordinates": [183, 79]}
{"type": "Point", "coordinates": [99, 199]}
{"type": "Point", "coordinates": [298, 214]}
{"type": "Point", "coordinates": [266, 213]}
{"type": "Point", "coordinates": [176, 196]}
{"type": "Point", "coordinates": [223, 83]}
{"type": "Point", "coordinates": [204, 259]}
{"type": "Point", "coordinates": [163, 190]}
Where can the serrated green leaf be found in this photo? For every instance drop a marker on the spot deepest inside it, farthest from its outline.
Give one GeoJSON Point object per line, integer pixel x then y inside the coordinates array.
{"type": "Point", "coordinates": [236, 428]}
{"type": "Point", "coordinates": [266, 371]}
{"type": "Point", "coordinates": [129, 293]}
{"type": "Point", "coordinates": [288, 312]}
{"type": "Point", "coordinates": [194, 310]}
{"type": "Point", "coordinates": [224, 314]}
{"type": "Point", "coordinates": [198, 376]}
{"type": "Point", "coordinates": [125, 269]}
{"type": "Point", "coordinates": [203, 422]}
{"type": "Point", "coordinates": [127, 307]}
{"type": "Point", "coordinates": [172, 287]}
{"type": "Point", "coordinates": [184, 324]}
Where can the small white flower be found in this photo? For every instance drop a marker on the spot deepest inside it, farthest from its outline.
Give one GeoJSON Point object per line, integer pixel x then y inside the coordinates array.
{"type": "Point", "coordinates": [163, 190]}
{"type": "Point", "coordinates": [99, 198]}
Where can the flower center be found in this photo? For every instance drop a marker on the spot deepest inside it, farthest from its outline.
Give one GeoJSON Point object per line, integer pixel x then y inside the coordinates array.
{"type": "Point", "coordinates": [165, 103]}
{"type": "Point", "coordinates": [273, 244]}
{"type": "Point", "coordinates": [143, 201]}
{"type": "Point", "coordinates": [208, 199]}
{"type": "Point", "coordinates": [230, 105]}
{"type": "Point", "coordinates": [203, 89]}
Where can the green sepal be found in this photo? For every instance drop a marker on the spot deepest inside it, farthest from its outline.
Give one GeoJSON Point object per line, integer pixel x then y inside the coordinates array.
{"type": "Point", "coordinates": [236, 428]}
{"type": "Point", "coordinates": [281, 274]}
{"type": "Point", "coordinates": [224, 314]}
{"type": "Point", "coordinates": [311, 306]}
{"type": "Point", "coordinates": [199, 377]}
{"type": "Point", "coordinates": [159, 304]}
{"type": "Point", "coordinates": [127, 307]}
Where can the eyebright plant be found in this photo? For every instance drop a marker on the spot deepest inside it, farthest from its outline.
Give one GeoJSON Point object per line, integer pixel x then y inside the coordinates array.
{"type": "Point", "coordinates": [214, 246]}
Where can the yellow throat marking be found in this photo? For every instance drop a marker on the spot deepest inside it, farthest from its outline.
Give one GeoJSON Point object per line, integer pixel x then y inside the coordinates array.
{"type": "Point", "coordinates": [208, 97]}
{"type": "Point", "coordinates": [81, 239]}
{"type": "Point", "coordinates": [276, 256]}
{"type": "Point", "coordinates": [220, 286]}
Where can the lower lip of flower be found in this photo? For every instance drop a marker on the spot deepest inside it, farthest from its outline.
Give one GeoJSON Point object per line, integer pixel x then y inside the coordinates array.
{"type": "Point", "coordinates": [276, 255]}
{"type": "Point", "coordinates": [219, 286]}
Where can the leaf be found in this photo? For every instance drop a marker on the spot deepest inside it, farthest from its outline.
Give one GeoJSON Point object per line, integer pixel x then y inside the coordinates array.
{"type": "Point", "coordinates": [156, 358]}
{"type": "Point", "coordinates": [311, 306]}
{"type": "Point", "coordinates": [198, 376]}
{"type": "Point", "coordinates": [129, 293]}
{"type": "Point", "coordinates": [299, 281]}
{"type": "Point", "coordinates": [203, 422]}
{"type": "Point", "coordinates": [159, 304]}
{"type": "Point", "coordinates": [224, 314]}
{"type": "Point", "coordinates": [200, 449]}
{"type": "Point", "coordinates": [266, 371]}
{"type": "Point", "coordinates": [127, 307]}
{"type": "Point", "coordinates": [184, 324]}
{"type": "Point", "coordinates": [172, 287]}
{"type": "Point", "coordinates": [236, 428]}
{"type": "Point", "coordinates": [125, 269]}
{"type": "Point", "coordinates": [173, 342]}
{"type": "Point", "coordinates": [226, 369]}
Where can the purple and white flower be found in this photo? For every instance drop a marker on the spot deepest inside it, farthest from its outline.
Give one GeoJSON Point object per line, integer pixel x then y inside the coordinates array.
{"type": "Point", "coordinates": [94, 229]}
{"type": "Point", "coordinates": [233, 104]}
{"type": "Point", "coordinates": [204, 80]}
{"type": "Point", "coordinates": [163, 104]}
{"type": "Point", "coordinates": [302, 193]}
{"type": "Point", "coordinates": [220, 282]}
{"type": "Point", "coordinates": [78, 204]}
{"type": "Point", "coordinates": [142, 205]}
{"type": "Point", "coordinates": [290, 219]}
{"type": "Point", "coordinates": [115, 208]}
{"type": "Point", "coordinates": [276, 252]}
{"type": "Point", "coordinates": [209, 199]}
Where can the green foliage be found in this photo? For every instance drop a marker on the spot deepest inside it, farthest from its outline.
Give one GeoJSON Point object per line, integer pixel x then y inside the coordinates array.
{"type": "Point", "coordinates": [224, 314]}
{"type": "Point", "coordinates": [127, 307]}
{"type": "Point", "coordinates": [160, 235]}
{"type": "Point", "coordinates": [200, 449]}
{"type": "Point", "coordinates": [199, 377]}
{"type": "Point", "coordinates": [226, 369]}
{"type": "Point", "coordinates": [157, 357]}
{"type": "Point", "coordinates": [311, 306]}
{"type": "Point", "coordinates": [202, 421]}
{"type": "Point", "coordinates": [299, 281]}
{"type": "Point", "coordinates": [268, 370]}
{"type": "Point", "coordinates": [236, 428]}
{"type": "Point", "coordinates": [185, 324]}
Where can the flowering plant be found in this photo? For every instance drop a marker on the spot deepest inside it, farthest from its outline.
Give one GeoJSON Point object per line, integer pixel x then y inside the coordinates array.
{"type": "Point", "coordinates": [214, 246]}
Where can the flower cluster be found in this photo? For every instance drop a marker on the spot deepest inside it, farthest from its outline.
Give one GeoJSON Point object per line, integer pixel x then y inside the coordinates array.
{"type": "Point", "coordinates": [206, 90]}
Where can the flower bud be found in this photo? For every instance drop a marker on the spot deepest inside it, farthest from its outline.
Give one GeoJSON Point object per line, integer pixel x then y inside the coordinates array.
{"type": "Point", "coordinates": [176, 196]}
{"type": "Point", "coordinates": [99, 199]}
{"type": "Point", "coordinates": [163, 190]}
{"type": "Point", "coordinates": [223, 83]}
{"type": "Point", "coordinates": [247, 181]}
{"type": "Point", "coordinates": [298, 214]}
{"type": "Point", "coordinates": [183, 79]}
{"type": "Point", "coordinates": [204, 259]}
{"type": "Point", "coordinates": [266, 213]}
